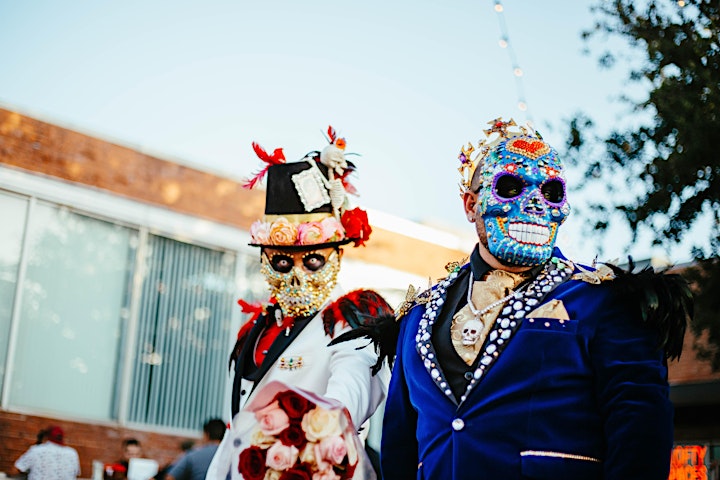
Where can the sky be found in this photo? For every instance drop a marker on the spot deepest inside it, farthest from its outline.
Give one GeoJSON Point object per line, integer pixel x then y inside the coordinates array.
{"type": "Point", "coordinates": [407, 83]}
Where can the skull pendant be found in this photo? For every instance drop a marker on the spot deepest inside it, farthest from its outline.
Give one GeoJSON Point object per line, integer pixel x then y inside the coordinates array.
{"type": "Point", "coordinates": [471, 331]}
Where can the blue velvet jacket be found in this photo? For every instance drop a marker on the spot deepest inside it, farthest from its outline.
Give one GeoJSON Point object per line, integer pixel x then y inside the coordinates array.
{"type": "Point", "coordinates": [579, 398]}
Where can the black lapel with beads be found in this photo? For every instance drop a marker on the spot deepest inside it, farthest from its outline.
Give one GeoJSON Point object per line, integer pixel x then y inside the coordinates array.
{"type": "Point", "coordinates": [555, 272]}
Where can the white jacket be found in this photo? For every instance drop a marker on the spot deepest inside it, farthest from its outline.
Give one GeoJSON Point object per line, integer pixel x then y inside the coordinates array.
{"type": "Point", "coordinates": [341, 372]}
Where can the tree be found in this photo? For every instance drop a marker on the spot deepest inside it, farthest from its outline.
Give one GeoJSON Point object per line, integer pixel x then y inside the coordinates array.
{"type": "Point", "coordinates": [668, 156]}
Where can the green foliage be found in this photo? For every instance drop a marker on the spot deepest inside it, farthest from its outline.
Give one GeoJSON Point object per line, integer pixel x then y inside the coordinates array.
{"type": "Point", "coordinates": [670, 158]}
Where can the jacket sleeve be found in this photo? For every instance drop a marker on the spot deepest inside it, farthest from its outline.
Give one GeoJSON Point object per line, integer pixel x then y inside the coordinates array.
{"type": "Point", "coordinates": [399, 447]}
{"type": "Point", "coordinates": [351, 381]}
{"type": "Point", "coordinates": [632, 392]}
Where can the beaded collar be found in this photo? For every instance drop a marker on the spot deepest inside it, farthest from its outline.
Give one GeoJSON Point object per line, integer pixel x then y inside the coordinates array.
{"type": "Point", "coordinates": [555, 272]}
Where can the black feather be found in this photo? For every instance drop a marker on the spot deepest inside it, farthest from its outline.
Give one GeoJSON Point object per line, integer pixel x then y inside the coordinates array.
{"type": "Point", "coordinates": [382, 331]}
{"type": "Point", "coordinates": [665, 303]}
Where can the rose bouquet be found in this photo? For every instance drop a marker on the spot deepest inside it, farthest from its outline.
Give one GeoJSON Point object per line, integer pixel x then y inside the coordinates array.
{"type": "Point", "coordinates": [297, 435]}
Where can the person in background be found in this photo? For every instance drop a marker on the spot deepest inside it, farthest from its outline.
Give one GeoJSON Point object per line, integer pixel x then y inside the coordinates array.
{"type": "Point", "coordinates": [41, 436]}
{"type": "Point", "coordinates": [51, 459]}
{"type": "Point", "coordinates": [195, 463]}
{"type": "Point", "coordinates": [185, 447]}
{"type": "Point", "coordinates": [288, 339]}
{"type": "Point", "coordinates": [131, 448]}
{"type": "Point", "coordinates": [522, 363]}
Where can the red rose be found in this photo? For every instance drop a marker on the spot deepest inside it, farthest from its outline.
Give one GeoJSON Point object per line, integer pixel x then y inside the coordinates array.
{"type": "Point", "coordinates": [295, 405]}
{"type": "Point", "coordinates": [299, 472]}
{"type": "Point", "coordinates": [356, 225]}
{"type": "Point", "coordinates": [252, 463]}
{"type": "Point", "coordinates": [345, 472]}
{"type": "Point", "coordinates": [293, 436]}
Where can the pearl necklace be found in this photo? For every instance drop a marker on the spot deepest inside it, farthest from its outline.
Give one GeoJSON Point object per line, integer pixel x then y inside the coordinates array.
{"type": "Point", "coordinates": [479, 313]}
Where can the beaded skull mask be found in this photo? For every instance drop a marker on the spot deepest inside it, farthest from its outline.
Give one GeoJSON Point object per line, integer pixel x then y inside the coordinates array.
{"type": "Point", "coordinates": [301, 291]}
{"type": "Point", "coordinates": [521, 193]}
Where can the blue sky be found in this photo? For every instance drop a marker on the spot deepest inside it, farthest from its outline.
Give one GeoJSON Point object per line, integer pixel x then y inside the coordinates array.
{"type": "Point", "coordinates": [406, 82]}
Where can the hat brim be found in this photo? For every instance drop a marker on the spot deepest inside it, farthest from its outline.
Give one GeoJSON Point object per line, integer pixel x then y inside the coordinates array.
{"type": "Point", "coordinates": [295, 248]}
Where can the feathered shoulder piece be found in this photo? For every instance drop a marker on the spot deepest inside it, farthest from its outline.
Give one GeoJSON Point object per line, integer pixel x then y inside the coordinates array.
{"type": "Point", "coordinates": [664, 299]}
{"type": "Point", "coordinates": [370, 316]}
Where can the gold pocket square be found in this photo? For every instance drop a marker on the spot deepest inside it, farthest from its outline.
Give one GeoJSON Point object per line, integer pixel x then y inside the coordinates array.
{"type": "Point", "coordinates": [552, 309]}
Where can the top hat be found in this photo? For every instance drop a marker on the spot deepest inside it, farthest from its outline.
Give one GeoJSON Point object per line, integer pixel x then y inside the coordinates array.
{"type": "Point", "coordinates": [306, 202]}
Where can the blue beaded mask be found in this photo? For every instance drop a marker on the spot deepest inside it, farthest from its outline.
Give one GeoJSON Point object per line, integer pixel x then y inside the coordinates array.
{"type": "Point", "coordinates": [522, 200]}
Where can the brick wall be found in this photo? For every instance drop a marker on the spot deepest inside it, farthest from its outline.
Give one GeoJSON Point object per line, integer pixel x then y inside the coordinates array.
{"type": "Point", "coordinates": [92, 441]}
{"type": "Point", "coordinates": [690, 369]}
{"type": "Point", "coordinates": [49, 150]}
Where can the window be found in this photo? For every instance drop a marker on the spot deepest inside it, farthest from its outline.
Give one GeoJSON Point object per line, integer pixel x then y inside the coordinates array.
{"type": "Point", "coordinates": [104, 321]}
{"type": "Point", "coordinates": [184, 328]}
{"type": "Point", "coordinates": [73, 298]}
{"type": "Point", "coordinates": [14, 213]}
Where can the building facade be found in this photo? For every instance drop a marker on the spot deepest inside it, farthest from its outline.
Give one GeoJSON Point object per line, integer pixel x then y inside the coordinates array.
{"type": "Point", "coordinates": [119, 276]}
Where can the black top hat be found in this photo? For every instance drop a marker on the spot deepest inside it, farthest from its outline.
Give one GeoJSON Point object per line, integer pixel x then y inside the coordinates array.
{"type": "Point", "coordinates": [281, 194]}
{"type": "Point", "coordinates": [306, 203]}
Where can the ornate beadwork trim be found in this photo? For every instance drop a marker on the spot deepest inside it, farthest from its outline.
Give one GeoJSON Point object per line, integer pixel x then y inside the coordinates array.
{"type": "Point", "coordinates": [540, 453]}
{"type": "Point", "coordinates": [555, 272]}
{"type": "Point", "coordinates": [290, 363]}
{"type": "Point", "coordinates": [422, 339]}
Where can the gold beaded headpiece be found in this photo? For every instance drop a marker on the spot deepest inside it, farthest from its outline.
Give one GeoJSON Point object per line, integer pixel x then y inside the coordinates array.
{"type": "Point", "coordinates": [485, 146]}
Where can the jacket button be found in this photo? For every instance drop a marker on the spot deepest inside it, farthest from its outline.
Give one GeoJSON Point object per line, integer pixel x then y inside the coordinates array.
{"type": "Point", "coordinates": [243, 392]}
{"type": "Point", "coordinates": [468, 376]}
{"type": "Point", "coordinates": [458, 424]}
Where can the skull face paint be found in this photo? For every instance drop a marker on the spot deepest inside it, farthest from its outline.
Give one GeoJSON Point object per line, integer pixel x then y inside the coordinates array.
{"type": "Point", "coordinates": [301, 290]}
{"type": "Point", "coordinates": [522, 200]}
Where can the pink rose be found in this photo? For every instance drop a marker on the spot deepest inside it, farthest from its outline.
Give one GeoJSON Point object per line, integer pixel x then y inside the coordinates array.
{"type": "Point", "coordinates": [272, 419]}
{"type": "Point", "coordinates": [332, 230]}
{"type": "Point", "coordinates": [333, 449]}
{"type": "Point", "coordinates": [310, 233]}
{"type": "Point", "coordinates": [322, 465]}
{"type": "Point", "coordinates": [260, 232]}
{"type": "Point", "coordinates": [326, 475]}
{"type": "Point", "coordinates": [281, 457]}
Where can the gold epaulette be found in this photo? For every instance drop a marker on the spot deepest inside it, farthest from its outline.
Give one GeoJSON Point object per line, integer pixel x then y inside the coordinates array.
{"type": "Point", "coordinates": [603, 273]}
{"type": "Point", "coordinates": [413, 297]}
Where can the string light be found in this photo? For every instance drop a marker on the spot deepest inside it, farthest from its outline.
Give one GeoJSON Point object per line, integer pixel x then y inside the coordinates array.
{"type": "Point", "coordinates": [504, 43]}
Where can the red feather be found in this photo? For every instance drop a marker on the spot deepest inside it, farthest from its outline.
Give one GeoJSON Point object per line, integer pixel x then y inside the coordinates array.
{"type": "Point", "coordinates": [357, 308]}
{"type": "Point", "coordinates": [255, 308]}
{"type": "Point", "coordinates": [332, 134]}
{"type": "Point", "coordinates": [276, 158]}
{"type": "Point", "coordinates": [251, 182]}
{"type": "Point", "coordinates": [349, 187]}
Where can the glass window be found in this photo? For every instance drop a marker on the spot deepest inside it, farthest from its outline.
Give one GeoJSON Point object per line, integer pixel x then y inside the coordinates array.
{"type": "Point", "coordinates": [73, 300]}
{"type": "Point", "coordinates": [14, 212]}
{"type": "Point", "coordinates": [184, 332]}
